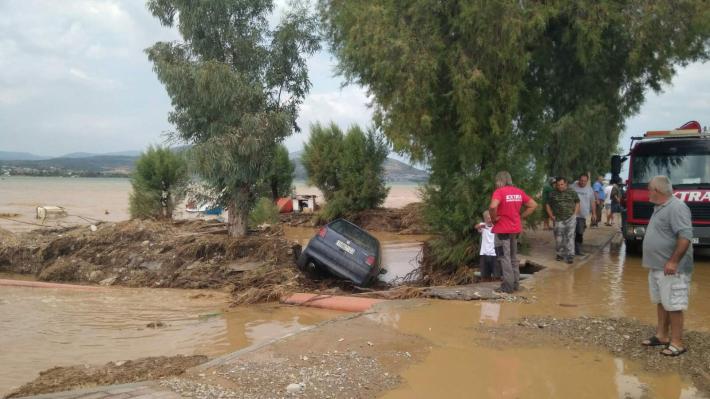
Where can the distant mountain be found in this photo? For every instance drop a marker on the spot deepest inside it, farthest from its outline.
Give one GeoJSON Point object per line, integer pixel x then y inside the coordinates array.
{"type": "Point", "coordinates": [88, 166]}
{"type": "Point", "coordinates": [395, 171]}
{"type": "Point", "coordinates": [89, 154]}
{"type": "Point", "coordinates": [78, 155]}
{"type": "Point", "coordinates": [19, 156]}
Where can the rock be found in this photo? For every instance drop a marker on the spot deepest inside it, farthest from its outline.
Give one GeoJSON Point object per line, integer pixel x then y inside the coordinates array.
{"type": "Point", "coordinates": [152, 266]}
{"type": "Point", "coordinates": [96, 275]}
{"type": "Point", "coordinates": [155, 324]}
{"type": "Point", "coordinates": [295, 388]}
{"type": "Point", "coordinates": [108, 281]}
{"type": "Point", "coordinates": [146, 242]}
{"type": "Point", "coordinates": [93, 227]}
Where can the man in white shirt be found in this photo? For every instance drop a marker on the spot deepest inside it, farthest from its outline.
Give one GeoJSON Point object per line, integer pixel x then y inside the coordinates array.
{"type": "Point", "coordinates": [586, 207]}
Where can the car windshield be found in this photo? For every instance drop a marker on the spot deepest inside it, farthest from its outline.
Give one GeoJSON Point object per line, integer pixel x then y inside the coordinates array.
{"type": "Point", "coordinates": [364, 240]}
{"type": "Point", "coordinates": [691, 170]}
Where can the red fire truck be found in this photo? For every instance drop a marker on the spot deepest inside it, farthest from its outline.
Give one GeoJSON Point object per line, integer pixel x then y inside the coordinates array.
{"type": "Point", "coordinates": [683, 155]}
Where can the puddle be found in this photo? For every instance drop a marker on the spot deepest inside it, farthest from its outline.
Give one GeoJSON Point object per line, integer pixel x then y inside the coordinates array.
{"type": "Point", "coordinates": [399, 251]}
{"type": "Point", "coordinates": [42, 328]}
{"type": "Point", "coordinates": [463, 362]}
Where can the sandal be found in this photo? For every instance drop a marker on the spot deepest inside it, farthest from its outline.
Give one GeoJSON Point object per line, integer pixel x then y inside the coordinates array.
{"type": "Point", "coordinates": [673, 351]}
{"type": "Point", "coordinates": [654, 341]}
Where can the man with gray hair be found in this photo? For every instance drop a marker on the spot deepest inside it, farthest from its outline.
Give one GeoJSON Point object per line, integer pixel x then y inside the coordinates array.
{"type": "Point", "coordinates": [505, 214]}
{"type": "Point", "coordinates": [668, 255]}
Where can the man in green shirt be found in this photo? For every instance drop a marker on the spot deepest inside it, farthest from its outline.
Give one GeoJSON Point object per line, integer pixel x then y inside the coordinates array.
{"type": "Point", "coordinates": [546, 190]}
{"type": "Point", "coordinates": [562, 207]}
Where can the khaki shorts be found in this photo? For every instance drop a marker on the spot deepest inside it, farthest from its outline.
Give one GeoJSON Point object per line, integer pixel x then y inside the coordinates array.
{"type": "Point", "coordinates": [670, 291]}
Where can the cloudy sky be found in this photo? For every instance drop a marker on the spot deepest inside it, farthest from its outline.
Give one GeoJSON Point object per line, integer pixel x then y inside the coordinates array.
{"type": "Point", "coordinates": [74, 78]}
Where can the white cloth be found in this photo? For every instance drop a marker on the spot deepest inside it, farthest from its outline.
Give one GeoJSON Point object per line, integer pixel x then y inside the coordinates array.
{"type": "Point", "coordinates": [488, 246]}
{"type": "Point", "coordinates": [607, 194]}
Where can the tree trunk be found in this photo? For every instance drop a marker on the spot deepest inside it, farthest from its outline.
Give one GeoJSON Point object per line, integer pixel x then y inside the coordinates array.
{"type": "Point", "coordinates": [237, 223]}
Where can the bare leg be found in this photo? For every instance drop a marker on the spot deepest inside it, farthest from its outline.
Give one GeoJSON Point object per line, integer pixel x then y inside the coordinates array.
{"type": "Point", "coordinates": [676, 323]}
{"type": "Point", "coordinates": [664, 323]}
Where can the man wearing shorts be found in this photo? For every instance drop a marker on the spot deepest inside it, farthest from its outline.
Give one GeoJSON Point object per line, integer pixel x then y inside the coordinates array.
{"type": "Point", "coordinates": [668, 255]}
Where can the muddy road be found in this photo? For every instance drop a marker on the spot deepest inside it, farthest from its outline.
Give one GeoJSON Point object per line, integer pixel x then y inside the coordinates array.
{"type": "Point", "coordinates": [476, 352]}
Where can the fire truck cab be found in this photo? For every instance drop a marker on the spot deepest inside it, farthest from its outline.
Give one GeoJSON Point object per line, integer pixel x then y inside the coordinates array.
{"type": "Point", "coordinates": [683, 155]}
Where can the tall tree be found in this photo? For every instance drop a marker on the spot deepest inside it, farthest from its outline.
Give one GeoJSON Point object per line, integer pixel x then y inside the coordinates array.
{"type": "Point", "coordinates": [470, 88]}
{"type": "Point", "coordinates": [157, 182]}
{"type": "Point", "coordinates": [236, 84]}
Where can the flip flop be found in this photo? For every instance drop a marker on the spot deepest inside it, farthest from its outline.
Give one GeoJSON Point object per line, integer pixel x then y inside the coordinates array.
{"type": "Point", "coordinates": [673, 351]}
{"type": "Point", "coordinates": [654, 341]}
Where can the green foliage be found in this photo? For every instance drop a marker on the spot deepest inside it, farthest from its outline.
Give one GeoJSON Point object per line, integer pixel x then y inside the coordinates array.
{"type": "Point", "coordinates": [280, 178]}
{"type": "Point", "coordinates": [321, 157]}
{"type": "Point", "coordinates": [235, 85]}
{"type": "Point", "coordinates": [347, 168]}
{"type": "Point", "coordinates": [158, 183]}
{"type": "Point", "coordinates": [535, 88]}
{"type": "Point", "coordinates": [265, 211]}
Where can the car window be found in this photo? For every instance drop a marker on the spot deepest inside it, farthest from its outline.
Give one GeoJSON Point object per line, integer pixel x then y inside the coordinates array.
{"type": "Point", "coordinates": [356, 235]}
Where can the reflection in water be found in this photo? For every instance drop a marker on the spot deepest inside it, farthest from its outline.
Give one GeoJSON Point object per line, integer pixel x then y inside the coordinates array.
{"type": "Point", "coordinates": [490, 312]}
{"type": "Point", "coordinates": [41, 328]}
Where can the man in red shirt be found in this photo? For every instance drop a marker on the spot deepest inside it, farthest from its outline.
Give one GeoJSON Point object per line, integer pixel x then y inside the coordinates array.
{"type": "Point", "coordinates": [505, 212]}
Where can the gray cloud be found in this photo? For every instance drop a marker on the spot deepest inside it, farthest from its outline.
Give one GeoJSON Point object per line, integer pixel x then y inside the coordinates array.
{"type": "Point", "coordinates": [73, 77]}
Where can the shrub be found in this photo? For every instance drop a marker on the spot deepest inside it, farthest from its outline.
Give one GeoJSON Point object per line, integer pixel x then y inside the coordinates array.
{"type": "Point", "coordinates": [158, 183]}
{"type": "Point", "coordinates": [265, 211]}
{"type": "Point", "coordinates": [348, 168]}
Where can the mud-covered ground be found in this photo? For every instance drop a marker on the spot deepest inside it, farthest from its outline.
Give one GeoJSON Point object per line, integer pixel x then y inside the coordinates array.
{"type": "Point", "coordinates": [183, 254]}
{"type": "Point", "coordinates": [351, 358]}
{"type": "Point", "coordinates": [59, 379]}
{"type": "Point", "coordinates": [621, 337]}
{"type": "Point", "coordinates": [148, 254]}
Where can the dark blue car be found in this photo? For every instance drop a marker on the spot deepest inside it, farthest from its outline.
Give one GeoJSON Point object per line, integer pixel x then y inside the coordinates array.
{"type": "Point", "coordinates": [344, 250]}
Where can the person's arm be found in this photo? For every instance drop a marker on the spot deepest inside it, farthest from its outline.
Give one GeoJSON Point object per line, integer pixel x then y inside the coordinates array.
{"type": "Point", "coordinates": [681, 246]}
{"type": "Point", "coordinates": [529, 208]}
{"type": "Point", "coordinates": [576, 208]}
{"type": "Point", "coordinates": [682, 227]}
{"type": "Point", "coordinates": [493, 209]}
{"type": "Point", "coordinates": [549, 212]}
{"type": "Point", "coordinates": [593, 205]}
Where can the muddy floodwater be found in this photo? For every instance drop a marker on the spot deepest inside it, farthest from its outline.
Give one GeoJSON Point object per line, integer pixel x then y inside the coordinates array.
{"type": "Point", "coordinates": [463, 363]}
{"type": "Point", "coordinates": [41, 328]}
{"type": "Point", "coordinates": [107, 199]}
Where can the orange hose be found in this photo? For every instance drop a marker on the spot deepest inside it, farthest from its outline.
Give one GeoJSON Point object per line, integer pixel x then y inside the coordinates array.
{"type": "Point", "coordinates": [333, 302]}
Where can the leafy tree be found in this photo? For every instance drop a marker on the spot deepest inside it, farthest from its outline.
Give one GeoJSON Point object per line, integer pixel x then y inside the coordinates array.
{"type": "Point", "coordinates": [280, 178]}
{"type": "Point", "coordinates": [321, 156]}
{"type": "Point", "coordinates": [158, 182]}
{"type": "Point", "coordinates": [235, 84]}
{"type": "Point", "coordinates": [348, 169]}
{"type": "Point", "coordinates": [470, 88]}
